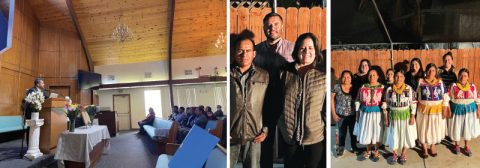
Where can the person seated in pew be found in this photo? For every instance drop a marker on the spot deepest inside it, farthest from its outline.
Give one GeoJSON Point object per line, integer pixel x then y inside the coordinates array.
{"type": "Point", "coordinates": [189, 113]}
{"type": "Point", "coordinates": [219, 112]}
{"type": "Point", "coordinates": [198, 118]}
{"type": "Point", "coordinates": [147, 121]}
{"type": "Point", "coordinates": [181, 115]}
{"type": "Point", "coordinates": [173, 114]}
{"type": "Point", "coordinates": [210, 114]}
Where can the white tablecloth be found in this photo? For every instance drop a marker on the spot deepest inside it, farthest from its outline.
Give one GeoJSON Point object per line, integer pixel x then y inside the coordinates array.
{"type": "Point", "coordinates": [76, 146]}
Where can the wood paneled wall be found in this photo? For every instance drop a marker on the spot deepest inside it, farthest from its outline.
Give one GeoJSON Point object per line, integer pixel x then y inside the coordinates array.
{"type": "Point", "coordinates": [52, 53]}
{"type": "Point", "coordinates": [19, 64]}
{"type": "Point", "coordinates": [349, 60]}
{"type": "Point", "coordinates": [60, 58]}
{"type": "Point", "coordinates": [296, 22]}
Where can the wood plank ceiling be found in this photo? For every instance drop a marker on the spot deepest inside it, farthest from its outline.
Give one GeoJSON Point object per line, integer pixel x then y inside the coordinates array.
{"type": "Point", "coordinates": [53, 13]}
{"type": "Point", "coordinates": [196, 28]}
{"type": "Point", "coordinates": [197, 25]}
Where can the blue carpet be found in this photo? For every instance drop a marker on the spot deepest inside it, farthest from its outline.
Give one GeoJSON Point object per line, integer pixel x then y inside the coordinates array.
{"type": "Point", "coordinates": [10, 153]}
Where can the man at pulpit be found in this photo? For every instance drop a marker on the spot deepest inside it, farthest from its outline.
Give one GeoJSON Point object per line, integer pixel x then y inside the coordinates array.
{"type": "Point", "coordinates": [39, 85]}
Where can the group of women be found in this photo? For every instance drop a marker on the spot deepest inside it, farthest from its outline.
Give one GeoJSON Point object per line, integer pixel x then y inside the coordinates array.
{"type": "Point", "coordinates": [407, 107]}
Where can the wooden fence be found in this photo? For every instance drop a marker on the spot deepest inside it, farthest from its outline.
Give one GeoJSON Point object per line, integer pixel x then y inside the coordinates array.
{"type": "Point", "coordinates": [350, 60]}
{"type": "Point", "coordinates": [296, 21]}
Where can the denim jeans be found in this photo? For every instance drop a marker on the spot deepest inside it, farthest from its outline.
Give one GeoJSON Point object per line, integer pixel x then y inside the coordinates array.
{"type": "Point", "coordinates": [248, 153]}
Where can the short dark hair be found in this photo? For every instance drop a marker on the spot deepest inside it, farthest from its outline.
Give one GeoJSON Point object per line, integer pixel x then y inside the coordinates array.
{"type": "Point", "coordinates": [399, 71]}
{"type": "Point", "coordinates": [270, 15]}
{"type": "Point", "coordinates": [182, 108]}
{"type": "Point", "coordinates": [298, 44]}
{"type": "Point", "coordinates": [430, 66]}
{"type": "Point", "coordinates": [447, 54]}
{"type": "Point", "coordinates": [346, 72]}
{"type": "Point", "coordinates": [462, 71]}
{"type": "Point", "coordinates": [242, 38]}
{"type": "Point", "coordinates": [370, 71]}
{"type": "Point", "coordinates": [368, 62]}
{"type": "Point", "coordinates": [37, 81]}
{"type": "Point", "coordinates": [389, 69]}
{"type": "Point", "coordinates": [175, 107]}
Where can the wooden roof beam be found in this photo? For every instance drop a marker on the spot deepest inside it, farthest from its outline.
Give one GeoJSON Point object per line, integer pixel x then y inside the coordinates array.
{"type": "Point", "coordinates": [79, 31]}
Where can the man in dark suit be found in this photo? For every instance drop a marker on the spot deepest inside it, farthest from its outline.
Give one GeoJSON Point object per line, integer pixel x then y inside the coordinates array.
{"type": "Point", "coordinates": [39, 85]}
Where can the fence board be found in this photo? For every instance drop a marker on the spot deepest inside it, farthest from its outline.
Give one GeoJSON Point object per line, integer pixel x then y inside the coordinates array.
{"type": "Point", "coordinates": [316, 22]}
{"type": "Point", "coordinates": [303, 21]}
{"type": "Point", "coordinates": [243, 19]}
{"type": "Point", "coordinates": [233, 20]}
{"type": "Point", "coordinates": [257, 29]}
{"type": "Point", "coordinates": [471, 64]}
{"type": "Point", "coordinates": [324, 28]}
{"type": "Point", "coordinates": [296, 22]}
{"type": "Point", "coordinates": [291, 24]}
{"type": "Point", "coordinates": [350, 59]}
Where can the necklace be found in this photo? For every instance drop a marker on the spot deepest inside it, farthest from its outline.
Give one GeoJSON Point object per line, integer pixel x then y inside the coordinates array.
{"type": "Point", "coordinates": [431, 82]}
{"type": "Point", "coordinates": [399, 90]}
{"type": "Point", "coordinates": [463, 87]}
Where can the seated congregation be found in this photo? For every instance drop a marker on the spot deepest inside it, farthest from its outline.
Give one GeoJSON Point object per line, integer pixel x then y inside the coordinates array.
{"type": "Point", "coordinates": [169, 134]}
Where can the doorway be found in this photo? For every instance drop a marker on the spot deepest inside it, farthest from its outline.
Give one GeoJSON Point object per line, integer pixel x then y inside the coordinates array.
{"type": "Point", "coordinates": [121, 104]}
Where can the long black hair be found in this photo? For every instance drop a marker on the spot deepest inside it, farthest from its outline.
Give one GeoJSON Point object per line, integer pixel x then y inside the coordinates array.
{"type": "Point", "coordinates": [420, 72]}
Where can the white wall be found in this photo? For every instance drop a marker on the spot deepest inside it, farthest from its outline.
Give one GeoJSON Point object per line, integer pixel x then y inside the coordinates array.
{"type": "Point", "coordinates": [209, 94]}
{"type": "Point", "coordinates": [128, 73]}
{"type": "Point", "coordinates": [207, 64]}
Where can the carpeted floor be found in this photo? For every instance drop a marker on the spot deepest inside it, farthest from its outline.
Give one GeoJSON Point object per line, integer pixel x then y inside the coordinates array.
{"type": "Point", "coordinates": [127, 149]}
{"type": "Point", "coordinates": [10, 157]}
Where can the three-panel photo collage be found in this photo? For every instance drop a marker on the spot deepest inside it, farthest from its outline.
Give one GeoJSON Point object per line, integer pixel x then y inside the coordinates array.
{"type": "Point", "coordinates": [240, 83]}
{"type": "Point", "coordinates": [344, 83]}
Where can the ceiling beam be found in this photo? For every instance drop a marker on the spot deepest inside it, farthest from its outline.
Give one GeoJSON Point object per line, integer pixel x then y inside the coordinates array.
{"type": "Point", "coordinates": [170, 43]}
{"type": "Point", "coordinates": [202, 80]}
{"type": "Point", "coordinates": [79, 31]}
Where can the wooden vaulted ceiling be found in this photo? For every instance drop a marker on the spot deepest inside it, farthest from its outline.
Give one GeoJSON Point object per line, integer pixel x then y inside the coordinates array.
{"type": "Point", "coordinates": [197, 25]}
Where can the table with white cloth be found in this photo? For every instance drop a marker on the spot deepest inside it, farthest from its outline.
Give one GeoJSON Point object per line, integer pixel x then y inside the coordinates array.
{"type": "Point", "coordinates": [83, 147]}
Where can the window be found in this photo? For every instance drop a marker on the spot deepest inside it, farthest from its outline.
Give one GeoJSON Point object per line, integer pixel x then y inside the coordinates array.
{"type": "Point", "coordinates": [153, 99]}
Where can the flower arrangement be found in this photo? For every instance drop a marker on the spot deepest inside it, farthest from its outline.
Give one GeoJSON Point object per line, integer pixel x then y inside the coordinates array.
{"type": "Point", "coordinates": [35, 100]}
{"type": "Point", "coordinates": [91, 110]}
{"type": "Point", "coordinates": [73, 110]}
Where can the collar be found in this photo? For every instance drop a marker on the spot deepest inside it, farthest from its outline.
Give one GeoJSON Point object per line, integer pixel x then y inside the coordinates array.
{"type": "Point", "coordinates": [452, 69]}
{"type": "Point", "coordinates": [237, 69]}
{"type": "Point", "coordinates": [267, 45]}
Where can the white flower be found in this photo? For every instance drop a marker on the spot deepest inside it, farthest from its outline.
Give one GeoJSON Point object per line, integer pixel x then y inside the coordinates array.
{"type": "Point", "coordinates": [35, 99]}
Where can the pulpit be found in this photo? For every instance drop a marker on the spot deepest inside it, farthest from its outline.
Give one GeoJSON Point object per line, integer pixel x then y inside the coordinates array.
{"type": "Point", "coordinates": [53, 113]}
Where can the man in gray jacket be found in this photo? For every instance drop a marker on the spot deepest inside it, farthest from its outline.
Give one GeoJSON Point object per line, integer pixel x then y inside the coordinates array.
{"type": "Point", "coordinates": [248, 85]}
